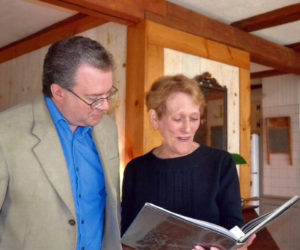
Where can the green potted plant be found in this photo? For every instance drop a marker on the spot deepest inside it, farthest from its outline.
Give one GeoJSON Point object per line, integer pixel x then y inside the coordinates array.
{"type": "Point", "coordinates": [238, 159]}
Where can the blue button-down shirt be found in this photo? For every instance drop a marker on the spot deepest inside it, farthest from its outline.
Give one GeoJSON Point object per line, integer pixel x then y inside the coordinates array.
{"type": "Point", "coordinates": [87, 179]}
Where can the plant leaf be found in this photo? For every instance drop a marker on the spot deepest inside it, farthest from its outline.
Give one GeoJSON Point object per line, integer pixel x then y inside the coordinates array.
{"type": "Point", "coordinates": [238, 159]}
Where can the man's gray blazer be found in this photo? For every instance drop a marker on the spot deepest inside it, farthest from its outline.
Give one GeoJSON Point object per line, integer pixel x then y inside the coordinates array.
{"type": "Point", "coordinates": [36, 202]}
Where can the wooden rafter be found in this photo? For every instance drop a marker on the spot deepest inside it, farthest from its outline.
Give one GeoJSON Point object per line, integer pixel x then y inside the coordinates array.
{"type": "Point", "coordinates": [92, 14]}
{"type": "Point", "coordinates": [283, 59]}
{"type": "Point", "coordinates": [276, 17]}
{"type": "Point", "coordinates": [262, 51]}
{"type": "Point", "coordinates": [120, 11]}
{"type": "Point", "coordinates": [68, 27]}
{"type": "Point", "coordinates": [256, 86]}
{"type": "Point", "coordinates": [266, 73]}
{"type": "Point", "coordinates": [274, 72]}
{"type": "Point", "coordinates": [294, 46]}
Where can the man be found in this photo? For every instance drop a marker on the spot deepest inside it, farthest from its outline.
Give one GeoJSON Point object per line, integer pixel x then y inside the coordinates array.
{"type": "Point", "coordinates": [59, 161]}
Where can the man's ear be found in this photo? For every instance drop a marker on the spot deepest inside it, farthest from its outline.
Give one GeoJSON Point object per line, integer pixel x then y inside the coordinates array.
{"type": "Point", "coordinates": [57, 91]}
{"type": "Point", "coordinates": [153, 118]}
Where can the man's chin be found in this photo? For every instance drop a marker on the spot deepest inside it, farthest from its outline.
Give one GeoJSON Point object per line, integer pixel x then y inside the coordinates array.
{"type": "Point", "coordinates": [95, 120]}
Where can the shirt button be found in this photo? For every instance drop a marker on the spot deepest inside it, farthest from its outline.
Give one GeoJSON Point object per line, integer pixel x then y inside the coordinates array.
{"type": "Point", "coordinates": [79, 195]}
{"type": "Point", "coordinates": [77, 169]}
{"type": "Point", "coordinates": [82, 222]}
{"type": "Point", "coordinates": [82, 248]}
{"type": "Point", "coordinates": [72, 222]}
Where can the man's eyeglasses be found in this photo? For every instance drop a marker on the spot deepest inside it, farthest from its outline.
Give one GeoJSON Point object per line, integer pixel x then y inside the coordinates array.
{"type": "Point", "coordinates": [98, 102]}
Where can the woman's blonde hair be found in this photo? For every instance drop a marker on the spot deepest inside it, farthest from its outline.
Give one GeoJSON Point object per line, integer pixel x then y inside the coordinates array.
{"type": "Point", "coordinates": [163, 87]}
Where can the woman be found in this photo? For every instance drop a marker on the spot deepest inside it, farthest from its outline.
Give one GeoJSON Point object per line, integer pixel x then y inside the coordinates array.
{"type": "Point", "coordinates": [180, 175]}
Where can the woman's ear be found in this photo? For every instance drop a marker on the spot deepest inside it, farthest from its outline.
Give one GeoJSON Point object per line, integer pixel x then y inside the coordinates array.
{"type": "Point", "coordinates": [153, 118]}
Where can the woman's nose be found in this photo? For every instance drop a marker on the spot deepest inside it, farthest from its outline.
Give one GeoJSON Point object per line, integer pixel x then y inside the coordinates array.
{"type": "Point", "coordinates": [186, 126]}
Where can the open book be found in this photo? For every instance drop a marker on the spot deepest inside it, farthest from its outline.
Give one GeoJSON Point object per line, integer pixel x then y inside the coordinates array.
{"type": "Point", "coordinates": [156, 228]}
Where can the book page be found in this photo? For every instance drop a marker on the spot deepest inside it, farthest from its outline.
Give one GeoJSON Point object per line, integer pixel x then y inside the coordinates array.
{"type": "Point", "coordinates": [262, 221]}
{"type": "Point", "coordinates": [205, 224]}
{"type": "Point", "coordinates": [158, 228]}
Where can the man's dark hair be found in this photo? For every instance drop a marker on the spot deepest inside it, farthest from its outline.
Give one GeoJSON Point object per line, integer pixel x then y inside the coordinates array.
{"type": "Point", "coordinates": [66, 56]}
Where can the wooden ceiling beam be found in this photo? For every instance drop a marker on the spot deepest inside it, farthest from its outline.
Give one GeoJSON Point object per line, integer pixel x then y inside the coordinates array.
{"type": "Point", "coordinates": [266, 73]}
{"type": "Point", "coordinates": [261, 51]}
{"type": "Point", "coordinates": [294, 46]}
{"type": "Point", "coordinates": [273, 18]}
{"type": "Point", "coordinates": [68, 27]}
{"type": "Point", "coordinates": [256, 86]}
{"type": "Point", "coordinates": [274, 72]}
{"type": "Point", "coordinates": [120, 11]}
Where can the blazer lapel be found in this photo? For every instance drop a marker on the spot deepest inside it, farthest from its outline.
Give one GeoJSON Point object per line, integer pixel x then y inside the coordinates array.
{"type": "Point", "coordinates": [102, 140]}
{"type": "Point", "coordinates": [50, 153]}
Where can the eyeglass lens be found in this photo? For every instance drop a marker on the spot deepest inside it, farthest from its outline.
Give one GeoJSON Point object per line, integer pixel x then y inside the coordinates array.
{"type": "Point", "coordinates": [100, 101]}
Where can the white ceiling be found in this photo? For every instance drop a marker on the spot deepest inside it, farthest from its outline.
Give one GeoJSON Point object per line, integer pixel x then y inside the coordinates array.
{"type": "Point", "coordinates": [229, 11]}
{"type": "Point", "coordinates": [21, 18]}
{"type": "Point", "coordinates": [282, 34]}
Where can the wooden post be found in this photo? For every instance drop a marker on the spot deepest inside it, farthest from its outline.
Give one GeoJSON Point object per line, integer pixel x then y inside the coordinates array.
{"type": "Point", "coordinates": [245, 132]}
{"type": "Point", "coordinates": [145, 63]}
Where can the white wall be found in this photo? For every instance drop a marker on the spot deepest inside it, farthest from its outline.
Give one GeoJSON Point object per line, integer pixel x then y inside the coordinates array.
{"type": "Point", "coordinates": [281, 98]}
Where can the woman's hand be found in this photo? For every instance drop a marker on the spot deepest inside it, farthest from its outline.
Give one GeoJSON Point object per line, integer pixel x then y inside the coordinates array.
{"type": "Point", "coordinates": [206, 248]}
{"type": "Point", "coordinates": [127, 247]}
{"type": "Point", "coordinates": [248, 243]}
{"type": "Point", "coordinates": [244, 247]}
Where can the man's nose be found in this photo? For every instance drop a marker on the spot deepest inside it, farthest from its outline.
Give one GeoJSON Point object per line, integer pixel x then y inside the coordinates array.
{"type": "Point", "coordinates": [105, 105]}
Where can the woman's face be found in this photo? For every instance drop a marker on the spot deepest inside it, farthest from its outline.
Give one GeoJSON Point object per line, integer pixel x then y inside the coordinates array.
{"type": "Point", "coordinates": [179, 124]}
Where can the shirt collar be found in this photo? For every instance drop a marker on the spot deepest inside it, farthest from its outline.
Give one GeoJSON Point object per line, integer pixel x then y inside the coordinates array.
{"type": "Point", "coordinates": [57, 116]}
{"type": "Point", "coordinates": [54, 112]}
